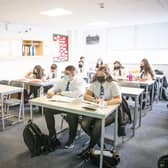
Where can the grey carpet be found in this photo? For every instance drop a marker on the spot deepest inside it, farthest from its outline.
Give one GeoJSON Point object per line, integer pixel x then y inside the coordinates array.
{"type": "Point", "coordinates": [142, 151]}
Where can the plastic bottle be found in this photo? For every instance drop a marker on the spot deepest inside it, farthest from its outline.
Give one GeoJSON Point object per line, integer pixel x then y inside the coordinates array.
{"type": "Point", "coordinates": [101, 102]}
{"type": "Point", "coordinates": [41, 91]}
{"type": "Point", "coordinates": [130, 76]}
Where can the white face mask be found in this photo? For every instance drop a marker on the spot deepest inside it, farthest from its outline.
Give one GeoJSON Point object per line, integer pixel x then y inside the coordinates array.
{"type": "Point", "coordinates": [66, 78]}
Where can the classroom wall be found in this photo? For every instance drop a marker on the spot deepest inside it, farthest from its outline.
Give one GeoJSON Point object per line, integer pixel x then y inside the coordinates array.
{"type": "Point", "coordinates": [128, 44]}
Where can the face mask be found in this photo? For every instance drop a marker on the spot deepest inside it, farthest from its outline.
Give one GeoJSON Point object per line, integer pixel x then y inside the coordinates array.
{"type": "Point", "coordinates": [66, 77]}
{"type": "Point", "coordinates": [117, 67]}
{"type": "Point", "coordinates": [141, 67]}
{"type": "Point", "coordinates": [80, 65]}
{"type": "Point", "coordinates": [101, 79]}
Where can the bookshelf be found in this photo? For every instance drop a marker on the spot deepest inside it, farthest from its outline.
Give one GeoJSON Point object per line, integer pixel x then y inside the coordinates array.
{"type": "Point", "coordinates": [32, 48]}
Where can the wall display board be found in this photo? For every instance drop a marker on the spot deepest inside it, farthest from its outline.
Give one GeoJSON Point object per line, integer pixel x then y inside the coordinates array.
{"type": "Point", "coordinates": [61, 48]}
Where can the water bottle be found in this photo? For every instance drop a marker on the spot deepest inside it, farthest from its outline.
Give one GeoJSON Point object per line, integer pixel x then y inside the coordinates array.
{"type": "Point", "coordinates": [41, 91]}
{"type": "Point", "coordinates": [101, 102]}
{"type": "Point", "coordinates": [130, 77]}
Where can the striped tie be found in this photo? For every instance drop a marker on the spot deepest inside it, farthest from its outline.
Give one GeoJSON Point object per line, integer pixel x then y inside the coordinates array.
{"type": "Point", "coordinates": [101, 91]}
{"type": "Point", "coordinates": [67, 86]}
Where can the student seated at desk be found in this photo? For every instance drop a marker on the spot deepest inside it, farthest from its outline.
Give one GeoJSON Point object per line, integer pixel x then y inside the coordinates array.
{"type": "Point", "coordinates": [52, 74]}
{"type": "Point", "coordinates": [102, 85]}
{"type": "Point", "coordinates": [119, 71]}
{"type": "Point", "coordinates": [37, 73]}
{"type": "Point", "coordinates": [146, 74]}
{"type": "Point", "coordinates": [70, 86]}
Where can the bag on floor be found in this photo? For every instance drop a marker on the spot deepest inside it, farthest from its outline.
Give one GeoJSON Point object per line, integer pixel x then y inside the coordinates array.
{"type": "Point", "coordinates": [164, 93]}
{"type": "Point", "coordinates": [163, 161]}
{"type": "Point", "coordinates": [35, 140]}
{"type": "Point", "coordinates": [110, 158]}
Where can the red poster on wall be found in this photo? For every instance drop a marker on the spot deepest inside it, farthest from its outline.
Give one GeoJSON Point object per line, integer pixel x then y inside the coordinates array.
{"type": "Point", "coordinates": [61, 48]}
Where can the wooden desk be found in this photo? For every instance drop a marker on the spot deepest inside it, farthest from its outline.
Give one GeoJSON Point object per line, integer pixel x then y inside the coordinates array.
{"type": "Point", "coordinates": [134, 92]}
{"type": "Point", "coordinates": [7, 90]}
{"type": "Point", "coordinates": [76, 108]}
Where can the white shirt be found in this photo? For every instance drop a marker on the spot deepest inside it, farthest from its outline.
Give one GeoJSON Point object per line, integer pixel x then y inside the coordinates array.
{"type": "Point", "coordinates": [111, 89]}
{"type": "Point", "coordinates": [116, 73]}
{"type": "Point", "coordinates": [76, 87]}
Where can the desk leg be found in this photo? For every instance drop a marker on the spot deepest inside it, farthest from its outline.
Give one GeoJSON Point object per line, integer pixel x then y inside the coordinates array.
{"type": "Point", "coordinates": [42, 94]}
{"type": "Point", "coordinates": [140, 112]}
{"type": "Point", "coordinates": [102, 142]}
{"type": "Point", "coordinates": [116, 128]}
{"type": "Point", "coordinates": [21, 107]}
{"type": "Point", "coordinates": [2, 111]}
{"type": "Point", "coordinates": [31, 111]}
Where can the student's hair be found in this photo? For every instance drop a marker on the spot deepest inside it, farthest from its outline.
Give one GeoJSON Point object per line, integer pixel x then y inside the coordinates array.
{"type": "Point", "coordinates": [120, 65]}
{"type": "Point", "coordinates": [53, 66]}
{"type": "Point", "coordinates": [82, 57]}
{"type": "Point", "coordinates": [147, 68]}
{"type": "Point", "coordinates": [106, 71]}
{"type": "Point", "coordinates": [38, 72]}
{"type": "Point", "coordinates": [99, 63]}
{"type": "Point", "coordinates": [70, 68]}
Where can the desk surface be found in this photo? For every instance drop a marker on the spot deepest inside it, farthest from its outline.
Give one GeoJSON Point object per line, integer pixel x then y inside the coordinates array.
{"type": "Point", "coordinates": [135, 82]}
{"type": "Point", "coordinates": [7, 89]}
{"type": "Point", "coordinates": [36, 82]}
{"type": "Point", "coordinates": [131, 90]}
{"type": "Point", "coordinates": [74, 107]}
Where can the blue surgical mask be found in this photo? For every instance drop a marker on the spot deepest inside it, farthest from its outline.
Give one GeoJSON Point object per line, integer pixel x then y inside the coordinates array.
{"type": "Point", "coordinates": [66, 77]}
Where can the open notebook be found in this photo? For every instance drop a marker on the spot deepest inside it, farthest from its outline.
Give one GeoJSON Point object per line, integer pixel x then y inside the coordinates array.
{"type": "Point", "coordinates": [58, 98]}
{"type": "Point", "coordinates": [89, 105]}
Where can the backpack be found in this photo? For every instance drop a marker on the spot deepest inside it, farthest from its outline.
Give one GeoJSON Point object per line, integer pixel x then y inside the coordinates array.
{"type": "Point", "coordinates": [163, 161]}
{"type": "Point", "coordinates": [124, 117]}
{"type": "Point", "coordinates": [110, 158]}
{"type": "Point", "coordinates": [35, 140]}
{"type": "Point", "coordinates": [164, 93]}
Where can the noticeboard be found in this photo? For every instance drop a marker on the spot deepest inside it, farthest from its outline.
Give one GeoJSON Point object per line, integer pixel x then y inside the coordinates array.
{"type": "Point", "coordinates": [61, 48]}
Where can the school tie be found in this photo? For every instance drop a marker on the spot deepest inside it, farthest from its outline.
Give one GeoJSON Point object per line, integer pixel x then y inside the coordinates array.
{"type": "Point", "coordinates": [53, 75]}
{"type": "Point", "coordinates": [101, 91]}
{"type": "Point", "coordinates": [67, 86]}
{"type": "Point", "coordinates": [142, 74]}
{"type": "Point", "coordinates": [119, 72]}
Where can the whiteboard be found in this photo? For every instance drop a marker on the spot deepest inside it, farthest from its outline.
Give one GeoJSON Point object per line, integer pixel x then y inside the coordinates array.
{"type": "Point", "coordinates": [153, 36]}
{"type": "Point", "coordinates": [121, 38]}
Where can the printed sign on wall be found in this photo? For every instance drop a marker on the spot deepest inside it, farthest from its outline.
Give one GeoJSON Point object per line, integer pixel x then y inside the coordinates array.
{"type": "Point", "coordinates": [61, 48]}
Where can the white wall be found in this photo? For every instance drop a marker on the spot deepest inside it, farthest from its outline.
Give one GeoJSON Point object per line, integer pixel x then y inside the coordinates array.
{"type": "Point", "coordinates": [129, 44]}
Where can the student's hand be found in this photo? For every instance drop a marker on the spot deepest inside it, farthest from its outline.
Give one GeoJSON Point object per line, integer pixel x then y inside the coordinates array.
{"type": "Point", "coordinates": [50, 94]}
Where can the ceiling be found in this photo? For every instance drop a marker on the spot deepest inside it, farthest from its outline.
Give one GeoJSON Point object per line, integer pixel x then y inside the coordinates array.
{"type": "Point", "coordinates": [116, 12]}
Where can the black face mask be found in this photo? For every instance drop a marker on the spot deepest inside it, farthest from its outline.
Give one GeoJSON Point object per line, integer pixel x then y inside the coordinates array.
{"type": "Point", "coordinates": [141, 67]}
{"type": "Point", "coordinates": [80, 65]}
{"type": "Point", "coordinates": [101, 79]}
{"type": "Point", "coordinates": [116, 67]}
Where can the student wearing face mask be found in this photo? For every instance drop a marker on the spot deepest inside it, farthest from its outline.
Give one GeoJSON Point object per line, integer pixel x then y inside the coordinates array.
{"type": "Point", "coordinates": [102, 84]}
{"type": "Point", "coordinates": [119, 71]}
{"type": "Point", "coordinates": [53, 72]}
{"type": "Point", "coordinates": [146, 74]}
{"type": "Point", "coordinates": [72, 86]}
{"type": "Point", "coordinates": [37, 73]}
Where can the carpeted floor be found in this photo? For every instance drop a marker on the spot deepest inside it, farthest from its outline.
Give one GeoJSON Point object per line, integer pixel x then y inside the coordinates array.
{"type": "Point", "coordinates": [142, 151]}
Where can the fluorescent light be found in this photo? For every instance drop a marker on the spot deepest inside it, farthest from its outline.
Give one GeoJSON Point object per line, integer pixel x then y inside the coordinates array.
{"type": "Point", "coordinates": [56, 12]}
{"type": "Point", "coordinates": [99, 23]}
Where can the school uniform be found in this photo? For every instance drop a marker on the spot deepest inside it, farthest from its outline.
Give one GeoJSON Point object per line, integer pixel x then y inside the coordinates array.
{"type": "Point", "coordinates": [73, 88]}
{"type": "Point", "coordinates": [148, 77]}
{"type": "Point", "coordinates": [119, 73]}
{"type": "Point", "coordinates": [92, 126]}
